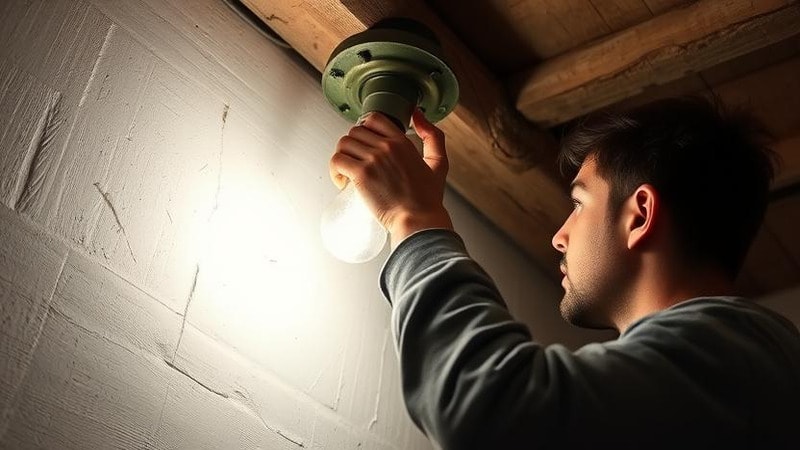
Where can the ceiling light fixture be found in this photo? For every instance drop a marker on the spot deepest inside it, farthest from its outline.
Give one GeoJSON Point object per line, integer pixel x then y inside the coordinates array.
{"type": "Point", "coordinates": [391, 68]}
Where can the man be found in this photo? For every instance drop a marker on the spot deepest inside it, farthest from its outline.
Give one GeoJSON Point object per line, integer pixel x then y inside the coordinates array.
{"type": "Point", "coordinates": [667, 199]}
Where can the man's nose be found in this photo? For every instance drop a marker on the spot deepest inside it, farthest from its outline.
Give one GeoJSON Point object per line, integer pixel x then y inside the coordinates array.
{"type": "Point", "coordinates": [560, 239]}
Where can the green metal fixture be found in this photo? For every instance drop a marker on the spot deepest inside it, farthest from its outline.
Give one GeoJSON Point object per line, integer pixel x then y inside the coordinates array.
{"type": "Point", "coordinates": [393, 67]}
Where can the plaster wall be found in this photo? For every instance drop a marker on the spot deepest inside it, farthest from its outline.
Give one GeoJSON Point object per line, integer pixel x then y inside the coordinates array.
{"type": "Point", "coordinates": [162, 281]}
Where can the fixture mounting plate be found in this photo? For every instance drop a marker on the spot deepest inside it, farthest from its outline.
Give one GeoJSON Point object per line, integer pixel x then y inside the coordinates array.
{"type": "Point", "coordinates": [405, 53]}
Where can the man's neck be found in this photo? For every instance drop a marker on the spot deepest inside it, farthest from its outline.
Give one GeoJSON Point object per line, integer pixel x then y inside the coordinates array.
{"type": "Point", "coordinates": [662, 290]}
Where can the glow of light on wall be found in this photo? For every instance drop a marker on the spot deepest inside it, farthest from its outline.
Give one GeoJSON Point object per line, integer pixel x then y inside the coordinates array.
{"type": "Point", "coordinates": [257, 265]}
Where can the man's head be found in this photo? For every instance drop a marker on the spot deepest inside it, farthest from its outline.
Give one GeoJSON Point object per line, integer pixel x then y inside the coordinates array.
{"type": "Point", "coordinates": [680, 169]}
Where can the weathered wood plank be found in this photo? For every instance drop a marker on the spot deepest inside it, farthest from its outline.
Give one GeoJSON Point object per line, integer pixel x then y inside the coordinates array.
{"type": "Point", "coordinates": [621, 14]}
{"type": "Point", "coordinates": [515, 34]}
{"type": "Point", "coordinates": [660, 6]}
{"type": "Point", "coordinates": [499, 163]}
{"type": "Point", "coordinates": [665, 48]}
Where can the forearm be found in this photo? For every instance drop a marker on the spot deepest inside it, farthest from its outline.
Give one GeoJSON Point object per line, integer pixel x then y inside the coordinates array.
{"type": "Point", "coordinates": [409, 223]}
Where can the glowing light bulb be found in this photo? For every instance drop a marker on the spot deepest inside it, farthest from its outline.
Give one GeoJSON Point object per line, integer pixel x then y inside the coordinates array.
{"type": "Point", "coordinates": [349, 230]}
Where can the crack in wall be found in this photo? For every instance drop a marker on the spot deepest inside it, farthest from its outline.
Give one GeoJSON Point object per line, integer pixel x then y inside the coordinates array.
{"type": "Point", "coordinates": [225, 110]}
{"type": "Point", "coordinates": [107, 197]}
{"type": "Point", "coordinates": [198, 382]}
{"type": "Point", "coordinates": [380, 382]}
{"type": "Point", "coordinates": [247, 403]}
{"type": "Point", "coordinates": [186, 310]}
{"type": "Point", "coordinates": [241, 400]}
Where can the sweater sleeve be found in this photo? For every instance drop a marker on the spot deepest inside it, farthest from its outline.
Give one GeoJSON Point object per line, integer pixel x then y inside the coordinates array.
{"type": "Point", "coordinates": [473, 377]}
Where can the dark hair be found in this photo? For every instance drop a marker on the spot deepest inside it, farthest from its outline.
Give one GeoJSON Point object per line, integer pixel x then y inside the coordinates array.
{"type": "Point", "coordinates": [712, 168]}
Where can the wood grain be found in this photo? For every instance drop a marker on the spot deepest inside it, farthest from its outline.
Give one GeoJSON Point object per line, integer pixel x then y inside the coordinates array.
{"type": "Point", "coordinates": [663, 49]}
{"type": "Point", "coordinates": [510, 35]}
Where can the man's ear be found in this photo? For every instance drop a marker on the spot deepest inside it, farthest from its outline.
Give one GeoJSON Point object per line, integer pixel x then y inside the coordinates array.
{"type": "Point", "coordinates": [641, 213]}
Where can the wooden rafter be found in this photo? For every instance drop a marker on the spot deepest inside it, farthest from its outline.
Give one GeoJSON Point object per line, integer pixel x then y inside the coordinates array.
{"type": "Point", "coordinates": [665, 48]}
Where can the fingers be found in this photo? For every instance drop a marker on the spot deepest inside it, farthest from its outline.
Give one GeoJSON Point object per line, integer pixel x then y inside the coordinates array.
{"type": "Point", "coordinates": [381, 124]}
{"type": "Point", "coordinates": [353, 147]}
{"type": "Point", "coordinates": [433, 148]}
{"type": "Point", "coordinates": [365, 135]}
{"type": "Point", "coordinates": [349, 153]}
{"type": "Point", "coordinates": [432, 137]}
{"type": "Point", "coordinates": [341, 168]}
{"type": "Point", "coordinates": [358, 146]}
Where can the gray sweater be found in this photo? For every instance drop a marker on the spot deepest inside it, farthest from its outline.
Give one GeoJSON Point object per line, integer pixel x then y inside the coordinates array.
{"type": "Point", "coordinates": [715, 372]}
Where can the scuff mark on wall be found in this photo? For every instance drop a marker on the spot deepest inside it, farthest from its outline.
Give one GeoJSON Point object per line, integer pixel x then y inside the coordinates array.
{"type": "Point", "coordinates": [107, 199]}
{"type": "Point", "coordinates": [39, 155]}
{"type": "Point", "coordinates": [98, 58]}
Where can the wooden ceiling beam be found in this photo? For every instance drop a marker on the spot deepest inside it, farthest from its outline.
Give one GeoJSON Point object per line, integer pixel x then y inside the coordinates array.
{"type": "Point", "coordinates": [499, 162]}
{"type": "Point", "coordinates": [685, 40]}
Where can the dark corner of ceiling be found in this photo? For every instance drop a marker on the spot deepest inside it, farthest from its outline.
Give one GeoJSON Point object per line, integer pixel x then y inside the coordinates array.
{"type": "Point", "coordinates": [254, 21]}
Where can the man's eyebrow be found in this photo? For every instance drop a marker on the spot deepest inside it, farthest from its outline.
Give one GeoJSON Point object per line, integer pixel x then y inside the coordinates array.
{"type": "Point", "coordinates": [577, 184]}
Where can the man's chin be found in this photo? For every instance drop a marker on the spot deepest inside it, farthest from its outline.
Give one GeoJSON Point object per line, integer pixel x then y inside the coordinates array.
{"type": "Point", "coordinates": [579, 313]}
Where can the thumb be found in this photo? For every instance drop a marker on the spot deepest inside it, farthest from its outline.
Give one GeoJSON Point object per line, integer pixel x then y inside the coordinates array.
{"type": "Point", "coordinates": [433, 149]}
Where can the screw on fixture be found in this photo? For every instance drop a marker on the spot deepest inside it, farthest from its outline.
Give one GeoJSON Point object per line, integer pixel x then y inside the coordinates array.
{"type": "Point", "coordinates": [365, 55]}
{"type": "Point", "coordinates": [337, 73]}
{"type": "Point", "coordinates": [344, 107]}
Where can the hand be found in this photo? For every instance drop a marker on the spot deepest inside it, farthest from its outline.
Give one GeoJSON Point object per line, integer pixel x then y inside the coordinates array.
{"type": "Point", "coordinates": [403, 189]}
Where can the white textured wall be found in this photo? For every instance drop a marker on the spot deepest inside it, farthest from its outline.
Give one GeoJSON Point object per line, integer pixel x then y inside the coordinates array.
{"type": "Point", "coordinates": [162, 283]}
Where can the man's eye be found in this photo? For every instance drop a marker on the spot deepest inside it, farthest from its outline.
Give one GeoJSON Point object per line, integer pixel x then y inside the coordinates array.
{"type": "Point", "coordinates": [576, 203]}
